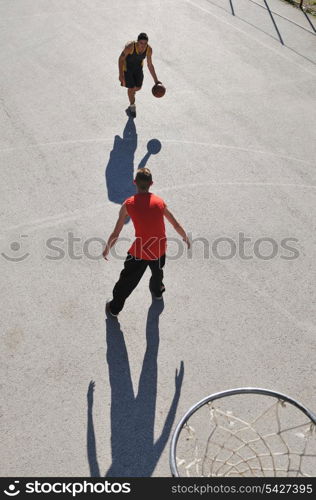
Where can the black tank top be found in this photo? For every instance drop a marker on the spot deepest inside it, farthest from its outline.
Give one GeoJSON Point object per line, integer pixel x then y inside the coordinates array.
{"type": "Point", "coordinates": [135, 60]}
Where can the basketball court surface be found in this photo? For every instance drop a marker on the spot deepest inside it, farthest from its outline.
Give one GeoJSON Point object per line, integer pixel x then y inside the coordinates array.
{"type": "Point", "coordinates": [231, 147]}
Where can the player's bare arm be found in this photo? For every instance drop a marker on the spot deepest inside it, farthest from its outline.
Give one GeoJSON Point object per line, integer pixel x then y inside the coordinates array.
{"type": "Point", "coordinates": [150, 64]}
{"type": "Point", "coordinates": [127, 50]}
{"type": "Point", "coordinates": [116, 231]}
{"type": "Point", "coordinates": [173, 221]}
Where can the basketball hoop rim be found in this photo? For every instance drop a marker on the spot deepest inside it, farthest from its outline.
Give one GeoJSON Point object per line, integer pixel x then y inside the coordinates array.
{"type": "Point", "coordinates": [222, 394]}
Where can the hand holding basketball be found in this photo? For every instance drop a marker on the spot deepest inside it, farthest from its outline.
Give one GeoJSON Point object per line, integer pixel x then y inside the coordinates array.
{"type": "Point", "coordinates": [158, 90]}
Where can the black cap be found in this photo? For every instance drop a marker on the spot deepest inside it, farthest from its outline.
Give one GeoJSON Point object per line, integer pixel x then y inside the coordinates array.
{"type": "Point", "coordinates": [142, 36]}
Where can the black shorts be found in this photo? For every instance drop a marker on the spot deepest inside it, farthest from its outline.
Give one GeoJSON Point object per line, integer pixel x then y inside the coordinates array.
{"type": "Point", "coordinates": [134, 78]}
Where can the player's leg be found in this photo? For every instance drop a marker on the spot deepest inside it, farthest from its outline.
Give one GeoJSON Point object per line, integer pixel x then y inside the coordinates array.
{"type": "Point", "coordinates": [156, 285]}
{"type": "Point", "coordinates": [138, 77]}
{"type": "Point", "coordinates": [128, 280]}
{"type": "Point", "coordinates": [131, 90]}
{"type": "Point", "coordinates": [131, 95]}
{"type": "Point", "coordinates": [132, 106]}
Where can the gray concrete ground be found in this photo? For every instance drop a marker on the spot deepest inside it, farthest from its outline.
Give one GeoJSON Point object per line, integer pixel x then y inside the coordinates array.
{"type": "Point", "coordinates": [237, 132]}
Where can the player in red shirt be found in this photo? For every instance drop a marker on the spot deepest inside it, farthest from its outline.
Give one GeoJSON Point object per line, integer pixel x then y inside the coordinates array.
{"type": "Point", "coordinates": [147, 212]}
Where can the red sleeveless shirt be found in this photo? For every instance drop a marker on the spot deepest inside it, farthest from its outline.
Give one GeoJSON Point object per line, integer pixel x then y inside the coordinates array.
{"type": "Point", "coordinates": [146, 211]}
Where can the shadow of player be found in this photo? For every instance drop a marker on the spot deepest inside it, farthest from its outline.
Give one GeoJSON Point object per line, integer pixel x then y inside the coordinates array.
{"type": "Point", "coordinates": [135, 452]}
{"type": "Point", "coordinates": [119, 172]}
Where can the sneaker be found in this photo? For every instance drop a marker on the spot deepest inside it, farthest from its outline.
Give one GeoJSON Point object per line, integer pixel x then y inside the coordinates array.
{"type": "Point", "coordinates": [132, 110]}
{"type": "Point", "coordinates": [108, 311]}
{"type": "Point", "coordinates": [159, 297]}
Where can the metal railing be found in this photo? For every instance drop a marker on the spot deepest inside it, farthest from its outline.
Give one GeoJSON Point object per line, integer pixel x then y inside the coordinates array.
{"type": "Point", "coordinates": [266, 6]}
{"type": "Point", "coordinates": [301, 6]}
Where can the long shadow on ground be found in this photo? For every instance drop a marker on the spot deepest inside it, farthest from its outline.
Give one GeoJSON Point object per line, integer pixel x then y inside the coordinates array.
{"type": "Point", "coordinates": [119, 172]}
{"type": "Point", "coordinates": [135, 453]}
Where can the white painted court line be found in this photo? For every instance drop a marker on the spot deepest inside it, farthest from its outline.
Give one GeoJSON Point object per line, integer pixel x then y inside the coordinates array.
{"type": "Point", "coordinates": [237, 148]}
{"type": "Point", "coordinates": [243, 184]}
{"type": "Point", "coordinates": [175, 141]}
{"type": "Point", "coordinates": [70, 216]}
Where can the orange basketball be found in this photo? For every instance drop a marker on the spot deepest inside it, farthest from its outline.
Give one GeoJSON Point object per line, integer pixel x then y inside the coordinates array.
{"type": "Point", "coordinates": [158, 90]}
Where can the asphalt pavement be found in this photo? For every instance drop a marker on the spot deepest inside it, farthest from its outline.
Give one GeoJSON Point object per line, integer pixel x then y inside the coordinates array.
{"type": "Point", "coordinates": [231, 147]}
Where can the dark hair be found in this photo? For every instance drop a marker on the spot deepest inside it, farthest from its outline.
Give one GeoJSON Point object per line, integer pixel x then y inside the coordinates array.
{"type": "Point", "coordinates": [142, 36]}
{"type": "Point", "coordinates": [143, 178]}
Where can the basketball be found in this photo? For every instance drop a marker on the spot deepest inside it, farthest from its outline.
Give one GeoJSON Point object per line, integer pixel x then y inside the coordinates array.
{"type": "Point", "coordinates": [158, 90]}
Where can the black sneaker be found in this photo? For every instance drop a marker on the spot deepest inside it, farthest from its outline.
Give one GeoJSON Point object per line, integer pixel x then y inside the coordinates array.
{"type": "Point", "coordinates": [159, 297]}
{"type": "Point", "coordinates": [132, 110]}
{"type": "Point", "coordinates": [108, 311]}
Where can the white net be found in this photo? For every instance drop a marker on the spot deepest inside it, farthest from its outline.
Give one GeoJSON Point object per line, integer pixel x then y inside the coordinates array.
{"type": "Point", "coordinates": [247, 435]}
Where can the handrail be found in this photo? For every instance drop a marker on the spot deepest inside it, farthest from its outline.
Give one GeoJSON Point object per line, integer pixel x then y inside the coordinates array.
{"type": "Point", "coordinates": [286, 18]}
{"type": "Point", "coordinates": [272, 18]}
{"type": "Point", "coordinates": [301, 7]}
{"type": "Point", "coordinates": [232, 7]}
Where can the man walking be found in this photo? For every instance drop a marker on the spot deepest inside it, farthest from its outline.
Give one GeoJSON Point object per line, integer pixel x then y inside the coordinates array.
{"type": "Point", "coordinates": [147, 212]}
{"type": "Point", "coordinates": [131, 63]}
